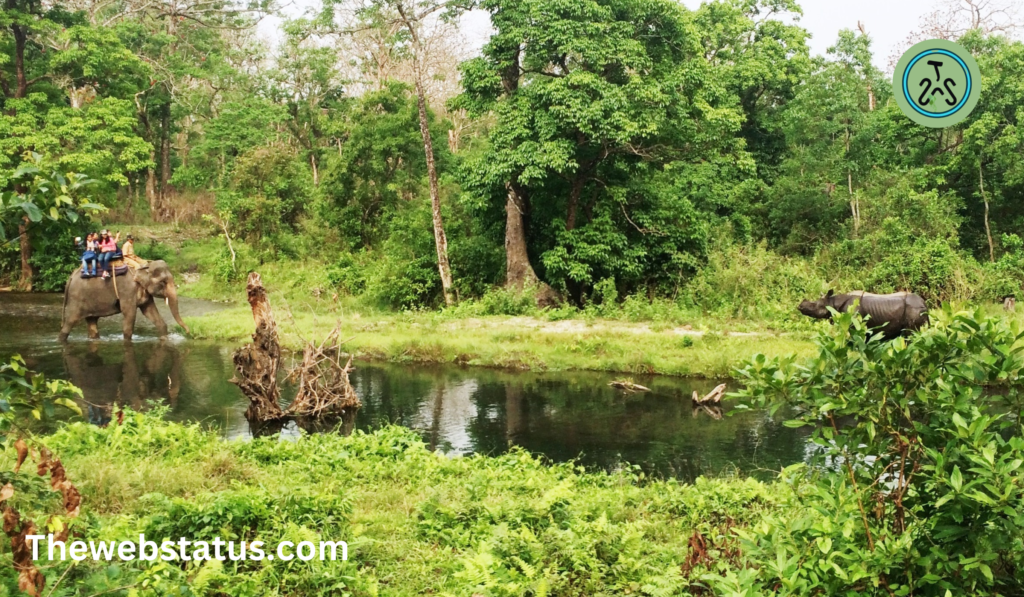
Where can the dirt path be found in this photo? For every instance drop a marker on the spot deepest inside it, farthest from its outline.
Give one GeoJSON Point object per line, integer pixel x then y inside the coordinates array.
{"type": "Point", "coordinates": [580, 326]}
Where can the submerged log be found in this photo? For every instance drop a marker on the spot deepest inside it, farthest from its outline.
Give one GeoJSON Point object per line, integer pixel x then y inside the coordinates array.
{"type": "Point", "coordinates": [712, 397]}
{"type": "Point", "coordinates": [256, 364]}
{"type": "Point", "coordinates": [625, 384]}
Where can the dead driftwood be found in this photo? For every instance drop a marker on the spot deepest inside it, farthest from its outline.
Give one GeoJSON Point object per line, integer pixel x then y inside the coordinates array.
{"type": "Point", "coordinates": [625, 384]}
{"type": "Point", "coordinates": [324, 387]}
{"type": "Point", "coordinates": [712, 397]}
{"type": "Point", "coordinates": [323, 383]}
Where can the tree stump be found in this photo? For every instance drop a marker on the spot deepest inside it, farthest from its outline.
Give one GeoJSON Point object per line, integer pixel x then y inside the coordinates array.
{"type": "Point", "coordinates": [1009, 303]}
{"type": "Point", "coordinates": [256, 364]}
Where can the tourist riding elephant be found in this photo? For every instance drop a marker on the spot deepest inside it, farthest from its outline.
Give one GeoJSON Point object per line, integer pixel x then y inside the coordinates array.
{"type": "Point", "coordinates": [92, 298]}
{"type": "Point", "coordinates": [894, 313]}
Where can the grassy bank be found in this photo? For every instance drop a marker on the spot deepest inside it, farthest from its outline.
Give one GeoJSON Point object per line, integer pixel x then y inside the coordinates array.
{"type": "Point", "coordinates": [416, 523]}
{"type": "Point", "coordinates": [527, 343]}
{"type": "Point", "coordinates": [498, 330]}
{"type": "Point", "coordinates": [636, 334]}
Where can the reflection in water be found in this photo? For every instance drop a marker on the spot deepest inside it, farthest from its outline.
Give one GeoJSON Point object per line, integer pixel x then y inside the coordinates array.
{"type": "Point", "coordinates": [125, 380]}
{"type": "Point", "coordinates": [562, 416]}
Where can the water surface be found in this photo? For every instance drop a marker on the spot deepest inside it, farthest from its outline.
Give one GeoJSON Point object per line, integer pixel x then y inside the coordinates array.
{"type": "Point", "coordinates": [457, 410]}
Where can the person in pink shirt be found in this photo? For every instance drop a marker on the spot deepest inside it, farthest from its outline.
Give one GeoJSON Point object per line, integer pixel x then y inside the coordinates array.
{"type": "Point", "coordinates": [108, 246]}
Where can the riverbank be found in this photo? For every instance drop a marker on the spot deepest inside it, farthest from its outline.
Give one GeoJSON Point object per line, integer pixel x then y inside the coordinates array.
{"type": "Point", "coordinates": [416, 522]}
{"type": "Point", "coordinates": [523, 343]}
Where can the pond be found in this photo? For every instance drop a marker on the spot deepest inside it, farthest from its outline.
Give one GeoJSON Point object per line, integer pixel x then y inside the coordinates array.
{"type": "Point", "coordinates": [458, 410]}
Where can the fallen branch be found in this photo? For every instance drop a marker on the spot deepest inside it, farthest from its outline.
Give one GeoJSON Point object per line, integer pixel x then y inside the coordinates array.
{"type": "Point", "coordinates": [625, 384]}
{"type": "Point", "coordinates": [714, 396]}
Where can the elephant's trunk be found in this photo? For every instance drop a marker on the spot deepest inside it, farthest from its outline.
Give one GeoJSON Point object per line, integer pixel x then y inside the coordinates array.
{"type": "Point", "coordinates": [172, 301]}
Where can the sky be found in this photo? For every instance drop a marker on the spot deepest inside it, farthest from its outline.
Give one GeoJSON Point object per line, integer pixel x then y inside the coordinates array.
{"type": "Point", "coordinates": [888, 22]}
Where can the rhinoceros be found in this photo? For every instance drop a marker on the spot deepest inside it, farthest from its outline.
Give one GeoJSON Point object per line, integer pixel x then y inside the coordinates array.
{"type": "Point", "coordinates": [894, 313]}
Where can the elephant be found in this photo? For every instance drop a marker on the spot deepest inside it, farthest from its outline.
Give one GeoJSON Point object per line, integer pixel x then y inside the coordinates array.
{"type": "Point", "coordinates": [92, 298]}
{"type": "Point", "coordinates": [894, 313]}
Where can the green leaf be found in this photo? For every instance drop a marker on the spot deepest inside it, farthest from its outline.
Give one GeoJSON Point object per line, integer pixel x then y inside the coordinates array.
{"type": "Point", "coordinates": [825, 544]}
{"type": "Point", "coordinates": [32, 211]}
{"type": "Point", "coordinates": [956, 479]}
{"type": "Point", "coordinates": [986, 571]}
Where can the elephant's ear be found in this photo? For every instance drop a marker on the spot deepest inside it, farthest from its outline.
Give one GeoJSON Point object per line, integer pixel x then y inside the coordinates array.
{"type": "Point", "coordinates": [140, 292]}
{"type": "Point", "coordinates": [830, 293]}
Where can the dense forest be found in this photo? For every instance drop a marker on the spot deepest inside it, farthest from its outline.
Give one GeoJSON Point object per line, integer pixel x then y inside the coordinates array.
{"type": "Point", "coordinates": [591, 150]}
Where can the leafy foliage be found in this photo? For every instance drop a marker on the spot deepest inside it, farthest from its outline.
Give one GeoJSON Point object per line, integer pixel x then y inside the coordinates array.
{"type": "Point", "coordinates": [26, 396]}
{"type": "Point", "coordinates": [921, 447]}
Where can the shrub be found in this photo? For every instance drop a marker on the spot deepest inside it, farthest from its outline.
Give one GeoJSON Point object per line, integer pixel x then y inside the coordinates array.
{"type": "Point", "coordinates": [920, 485]}
{"type": "Point", "coordinates": [1005, 277]}
{"type": "Point", "coordinates": [752, 281]}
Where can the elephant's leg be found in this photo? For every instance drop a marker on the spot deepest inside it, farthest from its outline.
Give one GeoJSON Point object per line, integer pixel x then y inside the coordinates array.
{"type": "Point", "coordinates": [152, 314]}
{"type": "Point", "coordinates": [128, 326]}
{"type": "Point", "coordinates": [94, 330]}
{"type": "Point", "coordinates": [70, 320]}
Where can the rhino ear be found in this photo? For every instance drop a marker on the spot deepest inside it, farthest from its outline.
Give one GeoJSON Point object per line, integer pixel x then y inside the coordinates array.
{"type": "Point", "coordinates": [830, 293]}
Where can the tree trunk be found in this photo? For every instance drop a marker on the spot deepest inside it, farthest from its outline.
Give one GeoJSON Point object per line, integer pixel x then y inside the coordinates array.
{"type": "Point", "coordinates": [988, 231]}
{"type": "Point", "coordinates": [574, 200]}
{"type": "Point", "coordinates": [871, 91]}
{"type": "Point", "coordinates": [519, 273]}
{"type": "Point", "coordinates": [25, 282]}
{"type": "Point", "coordinates": [165, 162]}
{"type": "Point", "coordinates": [151, 191]}
{"type": "Point", "coordinates": [21, 80]}
{"type": "Point", "coordinates": [854, 203]}
{"type": "Point", "coordinates": [440, 240]}
{"type": "Point", "coordinates": [316, 173]}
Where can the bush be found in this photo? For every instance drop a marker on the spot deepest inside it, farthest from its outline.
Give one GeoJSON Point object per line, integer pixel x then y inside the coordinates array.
{"type": "Point", "coordinates": [154, 250]}
{"type": "Point", "coordinates": [347, 274]}
{"type": "Point", "coordinates": [54, 256]}
{"type": "Point", "coordinates": [499, 301]}
{"type": "Point", "coordinates": [1005, 277]}
{"type": "Point", "coordinates": [920, 482]}
{"type": "Point", "coordinates": [752, 281]}
{"type": "Point", "coordinates": [932, 267]}
{"type": "Point", "coordinates": [406, 273]}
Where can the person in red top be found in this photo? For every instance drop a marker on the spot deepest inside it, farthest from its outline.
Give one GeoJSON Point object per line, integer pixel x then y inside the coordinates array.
{"type": "Point", "coordinates": [108, 246]}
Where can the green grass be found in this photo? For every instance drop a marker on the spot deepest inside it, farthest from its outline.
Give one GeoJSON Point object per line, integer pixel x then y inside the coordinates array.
{"type": "Point", "coordinates": [638, 337]}
{"type": "Point", "coordinates": [417, 522]}
{"type": "Point", "coordinates": [510, 342]}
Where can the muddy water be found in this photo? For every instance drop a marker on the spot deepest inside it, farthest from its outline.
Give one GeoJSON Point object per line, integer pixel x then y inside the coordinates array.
{"type": "Point", "coordinates": [456, 410]}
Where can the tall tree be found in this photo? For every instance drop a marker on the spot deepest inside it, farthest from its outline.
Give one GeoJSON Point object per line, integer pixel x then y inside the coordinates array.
{"type": "Point", "coordinates": [57, 76]}
{"type": "Point", "coordinates": [587, 97]}
{"type": "Point", "coordinates": [409, 21]}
